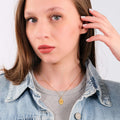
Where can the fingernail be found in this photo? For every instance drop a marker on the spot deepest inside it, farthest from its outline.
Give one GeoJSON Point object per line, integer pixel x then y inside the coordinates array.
{"type": "Point", "coordinates": [82, 16]}
{"type": "Point", "coordinates": [84, 25]}
{"type": "Point", "coordinates": [90, 9]}
{"type": "Point", "coordinates": [88, 40]}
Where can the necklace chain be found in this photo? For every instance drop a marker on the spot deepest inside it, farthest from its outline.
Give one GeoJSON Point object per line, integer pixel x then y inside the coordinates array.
{"type": "Point", "coordinates": [60, 99]}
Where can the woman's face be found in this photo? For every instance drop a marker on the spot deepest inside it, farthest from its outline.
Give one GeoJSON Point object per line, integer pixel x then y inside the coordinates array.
{"type": "Point", "coordinates": [55, 23]}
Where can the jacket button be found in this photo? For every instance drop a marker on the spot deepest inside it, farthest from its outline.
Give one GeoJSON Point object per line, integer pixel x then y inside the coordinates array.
{"type": "Point", "coordinates": [77, 116]}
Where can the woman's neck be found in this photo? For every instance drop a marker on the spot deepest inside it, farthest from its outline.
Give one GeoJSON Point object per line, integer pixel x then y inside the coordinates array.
{"type": "Point", "coordinates": [59, 75]}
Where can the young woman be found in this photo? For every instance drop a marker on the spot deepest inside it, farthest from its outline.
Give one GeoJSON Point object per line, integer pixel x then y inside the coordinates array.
{"type": "Point", "coordinates": [54, 77]}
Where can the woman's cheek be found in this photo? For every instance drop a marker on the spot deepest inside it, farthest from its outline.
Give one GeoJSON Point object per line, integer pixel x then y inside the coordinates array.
{"type": "Point", "coordinates": [30, 34]}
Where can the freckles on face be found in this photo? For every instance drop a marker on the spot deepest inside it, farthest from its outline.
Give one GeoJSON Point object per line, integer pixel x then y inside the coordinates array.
{"type": "Point", "coordinates": [54, 23]}
{"type": "Point", "coordinates": [70, 30]}
{"type": "Point", "coordinates": [36, 9]}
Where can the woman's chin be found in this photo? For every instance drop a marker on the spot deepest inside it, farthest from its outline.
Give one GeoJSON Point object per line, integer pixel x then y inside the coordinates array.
{"type": "Point", "coordinates": [50, 61]}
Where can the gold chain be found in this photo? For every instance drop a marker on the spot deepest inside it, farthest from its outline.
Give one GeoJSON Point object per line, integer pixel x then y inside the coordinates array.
{"type": "Point", "coordinates": [60, 99]}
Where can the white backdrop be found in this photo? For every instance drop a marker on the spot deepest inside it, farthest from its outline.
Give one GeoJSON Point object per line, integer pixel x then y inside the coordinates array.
{"type": "Point", "coordinates": [107, 66]}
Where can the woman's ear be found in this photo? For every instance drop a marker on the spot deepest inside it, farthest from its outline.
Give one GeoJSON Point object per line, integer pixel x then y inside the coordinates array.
{"type": "Point", "coordinates": [82, 29]}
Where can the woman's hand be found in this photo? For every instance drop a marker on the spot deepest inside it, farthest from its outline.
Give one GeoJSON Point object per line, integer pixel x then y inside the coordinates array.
{"type": "Point", "coordinates": [111, 37]}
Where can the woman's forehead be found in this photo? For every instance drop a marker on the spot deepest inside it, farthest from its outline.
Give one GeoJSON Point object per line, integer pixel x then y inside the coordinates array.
{"type": "Point", "coordinates": [54, 8]}
{"type": "Point", "coordinates": [47, 5]}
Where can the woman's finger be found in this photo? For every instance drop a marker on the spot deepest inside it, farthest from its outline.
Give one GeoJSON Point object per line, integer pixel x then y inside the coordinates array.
{"type": "Point", "coordinates": [97, 14]}
{"type": "Point", "coordinates": [99, 37]}
{"type": "Point", "coordinates": [102, 27]}
{"type": "Point", "coordinates": [92, 19]}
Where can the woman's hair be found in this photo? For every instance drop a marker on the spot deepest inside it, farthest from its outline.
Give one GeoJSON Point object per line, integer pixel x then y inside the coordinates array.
{"type": "Point", "coordinates": [27, 59]}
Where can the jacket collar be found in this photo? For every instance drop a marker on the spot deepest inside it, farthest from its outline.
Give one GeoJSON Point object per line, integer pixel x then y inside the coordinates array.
{"type": "Point", "coordinates": [15, 91]}
{"type": "Point", "coordinates": [94, 85]}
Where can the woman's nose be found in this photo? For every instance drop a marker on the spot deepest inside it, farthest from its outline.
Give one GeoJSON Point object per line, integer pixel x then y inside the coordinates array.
{"type": "Point", "coordinates": [42, 30]}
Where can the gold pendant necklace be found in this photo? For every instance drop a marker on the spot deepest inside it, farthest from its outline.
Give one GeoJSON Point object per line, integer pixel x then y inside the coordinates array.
{"type": "Point", "coordinates": [61, 101]}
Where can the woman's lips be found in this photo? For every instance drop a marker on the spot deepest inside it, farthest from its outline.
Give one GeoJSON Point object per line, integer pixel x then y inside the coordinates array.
{"type": "Point", "coordinates": [45, 48]}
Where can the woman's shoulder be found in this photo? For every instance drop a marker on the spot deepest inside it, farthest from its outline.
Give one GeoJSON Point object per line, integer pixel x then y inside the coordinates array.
{"type": "Point", "coordinates": [3, 79]}
{"type": "Point", "coordinates": [4, 84]}
{"type": "Point", "coordinates": [114, 92]}
{"type": "Point", "coordinates": [112, 85]}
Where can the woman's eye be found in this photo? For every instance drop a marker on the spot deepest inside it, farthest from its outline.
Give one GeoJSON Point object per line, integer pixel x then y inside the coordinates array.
{"type": "Point", "coordinates": [56, 17]}
{"type": "Point", "coordinates": [32, 20]}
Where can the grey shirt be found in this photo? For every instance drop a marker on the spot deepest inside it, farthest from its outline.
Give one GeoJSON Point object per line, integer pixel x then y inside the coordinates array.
{"type": "Point", "coordinates": [50, 99]}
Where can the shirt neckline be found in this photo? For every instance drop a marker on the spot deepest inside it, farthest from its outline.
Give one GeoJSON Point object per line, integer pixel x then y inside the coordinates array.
{"type": "Point", "coordinates": [43, 90]}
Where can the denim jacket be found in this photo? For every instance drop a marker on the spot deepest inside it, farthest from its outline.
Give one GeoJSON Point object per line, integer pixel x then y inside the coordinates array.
{"type": "Point", "coordinates": [100, 101]}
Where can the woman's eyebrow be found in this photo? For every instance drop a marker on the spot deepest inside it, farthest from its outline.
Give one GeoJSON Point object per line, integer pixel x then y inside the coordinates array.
{"type": "Point", "coordinates": [54, 8]}
{"type": "Point", "coordinates": [27, 12]}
